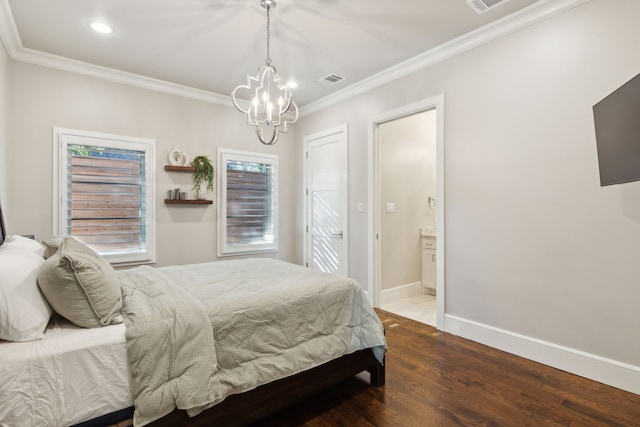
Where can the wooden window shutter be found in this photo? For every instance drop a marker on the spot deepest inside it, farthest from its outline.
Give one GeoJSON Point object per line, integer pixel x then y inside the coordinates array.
{"type": "Point", "coordinates": [107, 198]}
{"type": "Point", "coordinates": [249, 203]}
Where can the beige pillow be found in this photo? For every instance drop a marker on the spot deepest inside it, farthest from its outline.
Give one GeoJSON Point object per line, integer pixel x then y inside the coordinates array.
{"type": "Point", "coordinates": [81, 286]}
{"type": "Point", "coordinates": [51, 246]}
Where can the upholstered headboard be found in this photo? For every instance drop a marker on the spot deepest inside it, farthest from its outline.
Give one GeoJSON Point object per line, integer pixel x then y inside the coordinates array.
{"type": "Point", "coordinates": [3, 232]}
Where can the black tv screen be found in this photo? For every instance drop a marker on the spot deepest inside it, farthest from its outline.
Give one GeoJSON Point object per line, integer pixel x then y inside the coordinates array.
{"type": "Point", "coordinates": [617, 123]}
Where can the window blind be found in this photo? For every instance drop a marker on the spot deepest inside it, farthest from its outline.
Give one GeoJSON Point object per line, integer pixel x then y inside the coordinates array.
{"type": "Point", "coordinates": [250, 207]}
{"type": "Point", "coordinates": [106, 198]}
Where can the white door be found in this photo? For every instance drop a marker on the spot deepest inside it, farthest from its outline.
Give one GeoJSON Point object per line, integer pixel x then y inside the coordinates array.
{"type": "Point", "coordinates": [326, 201]}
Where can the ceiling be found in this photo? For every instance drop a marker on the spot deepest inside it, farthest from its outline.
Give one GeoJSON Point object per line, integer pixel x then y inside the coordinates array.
{"type": "Point", "coordinates": [211, 45]}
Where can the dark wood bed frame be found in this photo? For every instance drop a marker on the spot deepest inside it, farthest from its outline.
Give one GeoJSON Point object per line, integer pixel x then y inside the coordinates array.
{"type": "Point", "coordinates": [245, 408]}
{"type": "Point", "coordinates": [251, 406]}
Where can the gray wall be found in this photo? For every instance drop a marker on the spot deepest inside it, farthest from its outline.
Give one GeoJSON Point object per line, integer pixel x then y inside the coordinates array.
{"type": "Point", "coordinates": [407, 178]}
{"type": "Point", "coordinates": [534, 245]}
{"type": "Point", "coordinates": [4, 120]}
{"type": "Point", "coordinates": [43, 98]}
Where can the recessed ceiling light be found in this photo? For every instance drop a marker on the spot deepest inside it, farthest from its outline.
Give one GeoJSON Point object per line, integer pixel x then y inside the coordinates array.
{"type": "Point", "coordinates": [101, 28]}
{"type": "Point", "coordinates": [292, 85]}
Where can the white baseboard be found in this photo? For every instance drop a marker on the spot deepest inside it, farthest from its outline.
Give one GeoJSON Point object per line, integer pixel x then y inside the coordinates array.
{"type": "Point", "coordinates": [606, 371]}
{"type": "Point", "coordinates": [400, 292]}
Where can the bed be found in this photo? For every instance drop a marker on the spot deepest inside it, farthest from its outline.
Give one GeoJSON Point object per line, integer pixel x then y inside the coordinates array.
{"type": "Point", "coordinates": [264, 348]}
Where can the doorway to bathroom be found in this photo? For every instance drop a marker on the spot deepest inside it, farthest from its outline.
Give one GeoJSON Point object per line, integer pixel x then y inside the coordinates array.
{"type": "Point", "coordinates": [408, 211]}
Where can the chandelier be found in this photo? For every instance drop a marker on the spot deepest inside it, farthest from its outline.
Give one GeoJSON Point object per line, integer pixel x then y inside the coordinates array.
{"type": "Point", "coordinates": [270, 99]}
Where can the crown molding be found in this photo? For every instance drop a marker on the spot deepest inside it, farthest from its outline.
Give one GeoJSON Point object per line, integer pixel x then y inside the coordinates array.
{"type": "Point", "coordinates": [530, 15]}
{"type": "Point", "coordinates": [78, 67]}
{"type": "Point", "coordinates": [523, 18]}
{"type": "Point", "coordinates": [11, 38]}
{"type": "Point", "coordinates": [8, 31]}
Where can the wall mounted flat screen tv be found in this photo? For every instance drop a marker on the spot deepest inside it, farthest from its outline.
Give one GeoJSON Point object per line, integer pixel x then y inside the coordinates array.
{"type": "Point", "coordinates": [617, 123]}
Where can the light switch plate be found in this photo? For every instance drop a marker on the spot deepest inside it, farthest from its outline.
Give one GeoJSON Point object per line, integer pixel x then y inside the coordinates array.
{"type": "Point", "coordinates": [391, 207]}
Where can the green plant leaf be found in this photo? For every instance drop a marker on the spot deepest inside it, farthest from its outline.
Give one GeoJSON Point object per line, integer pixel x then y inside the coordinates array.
{"type": "Point", "coordinates": [204, 173]}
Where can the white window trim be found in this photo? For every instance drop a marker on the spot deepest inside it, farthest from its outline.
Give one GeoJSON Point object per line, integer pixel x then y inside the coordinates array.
{"type": "Point", "coordinates": [223, 155]}
{"type": "Point", "coordinates": [116, 141]}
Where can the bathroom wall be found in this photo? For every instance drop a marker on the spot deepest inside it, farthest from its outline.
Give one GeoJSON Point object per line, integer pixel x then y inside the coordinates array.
{"type": "Point", "coordinates": [407, 179]}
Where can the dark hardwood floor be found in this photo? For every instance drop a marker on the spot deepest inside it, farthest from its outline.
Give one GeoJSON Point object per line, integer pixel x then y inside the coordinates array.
{"type": "Point", "coordinates": [438, 379]}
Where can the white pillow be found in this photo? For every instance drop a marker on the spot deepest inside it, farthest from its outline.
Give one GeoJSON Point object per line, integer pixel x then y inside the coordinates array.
{"type": "Point", "coordinates": [24, 312]}
{"type": "Point", "coordinates": [26, 244]}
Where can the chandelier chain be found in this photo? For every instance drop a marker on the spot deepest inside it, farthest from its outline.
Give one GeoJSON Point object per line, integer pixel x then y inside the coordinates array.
{"type": "Point", "coordinates": [268, 35]}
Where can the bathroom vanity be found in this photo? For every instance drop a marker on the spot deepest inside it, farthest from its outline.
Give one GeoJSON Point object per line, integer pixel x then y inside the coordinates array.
{"type": "Point", "coordinates": [428, 256]}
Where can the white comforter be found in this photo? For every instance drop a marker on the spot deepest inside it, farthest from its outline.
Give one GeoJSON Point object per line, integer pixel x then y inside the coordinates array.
{"type": "Point", "coordinates": [198, 333]}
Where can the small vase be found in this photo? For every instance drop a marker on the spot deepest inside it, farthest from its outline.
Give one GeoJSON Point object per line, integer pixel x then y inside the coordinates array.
{"type": "Point", "coordinates": [201, 192]}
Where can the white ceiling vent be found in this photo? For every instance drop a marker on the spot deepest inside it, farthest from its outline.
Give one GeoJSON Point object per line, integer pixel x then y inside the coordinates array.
{"type": "Point", "coordinates": [332, 79]}
{"type": "Point", "coordinates": [482, 6]}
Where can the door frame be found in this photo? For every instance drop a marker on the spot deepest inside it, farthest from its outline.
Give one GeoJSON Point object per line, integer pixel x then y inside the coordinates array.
{"type": "Point", "coordinates": [374, 220]}
{"type": "Point", "coordinates": [307, 140]}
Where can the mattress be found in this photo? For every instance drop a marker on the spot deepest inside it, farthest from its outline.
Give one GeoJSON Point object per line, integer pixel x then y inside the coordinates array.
{"type": "Point", "coordinates": [72, 375]}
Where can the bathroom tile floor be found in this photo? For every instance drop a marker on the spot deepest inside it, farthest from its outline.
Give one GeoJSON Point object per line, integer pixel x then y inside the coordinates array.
{"type": "Point", "coordinates": [421, 308]}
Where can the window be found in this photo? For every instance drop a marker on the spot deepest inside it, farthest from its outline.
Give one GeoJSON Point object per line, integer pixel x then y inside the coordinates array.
{"type": "Point", "coordinates": [248, 202]}
{"type": "Point", "coordinates": [104, 188]}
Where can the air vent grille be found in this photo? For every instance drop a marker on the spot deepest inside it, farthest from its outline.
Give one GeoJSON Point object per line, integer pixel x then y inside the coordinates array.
{"type": "Point", "coordinates": [482, 6]}
{"type": "Point", "coordinates": [332, 79]}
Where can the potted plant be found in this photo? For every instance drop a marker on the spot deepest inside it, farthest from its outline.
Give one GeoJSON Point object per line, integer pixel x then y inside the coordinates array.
{"type": "Point", "coordinates": [204, 173]}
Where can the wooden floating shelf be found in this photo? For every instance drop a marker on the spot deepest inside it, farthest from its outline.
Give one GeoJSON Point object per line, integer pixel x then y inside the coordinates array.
{"type": "Point", "coordinates": [187, 202]}
{"type": "Point", "coordinates": [171, 168]}
{"type": "Point", "coordinates": [179, 168]}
